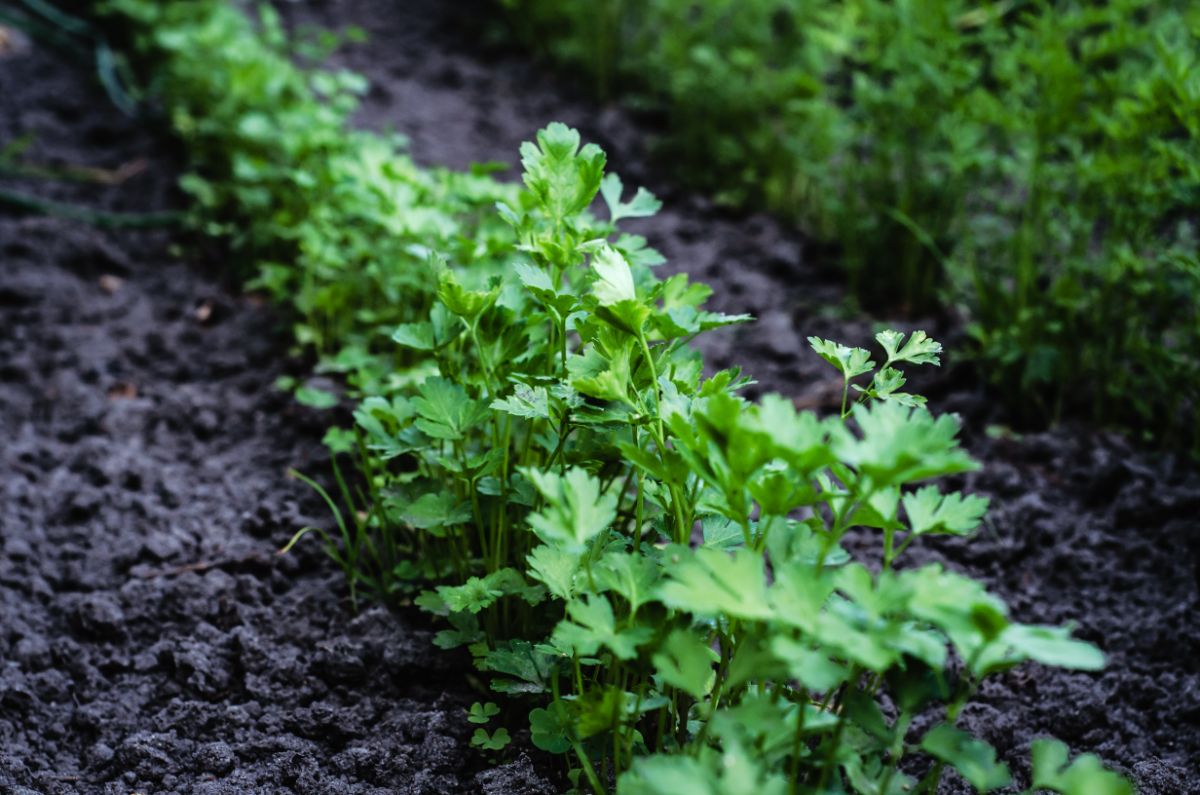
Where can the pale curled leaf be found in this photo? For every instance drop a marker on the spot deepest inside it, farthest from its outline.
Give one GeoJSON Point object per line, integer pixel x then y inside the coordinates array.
{"type": "Point", "coordinates": [614, 277]}
{"type": "Point", "coordinates": [849, 361]}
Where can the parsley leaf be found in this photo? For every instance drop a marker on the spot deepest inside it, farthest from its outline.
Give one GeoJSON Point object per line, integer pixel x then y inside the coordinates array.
{"type": "Point", "coordinates": [444, 410]}
{"type": "Point", "coordinates": [575, 511]}
{"type": "Point", "coordinates": [643, 204]}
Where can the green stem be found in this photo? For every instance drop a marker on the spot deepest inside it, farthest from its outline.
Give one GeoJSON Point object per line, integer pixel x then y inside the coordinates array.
{"type": "Point", "coordinates": [588, 770]}
{"type": "Point", "coordinates": [797, 743]}
{"type": "Point", "coordinates": [828, 764]}
{"type": "Point", "coordinates": [683, 531]}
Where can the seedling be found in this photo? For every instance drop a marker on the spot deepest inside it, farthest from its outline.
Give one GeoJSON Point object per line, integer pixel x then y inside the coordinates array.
{"type": "Point", "coordinates": [482, 713]}
{"type": "Point", "coordinates": [496, 741]}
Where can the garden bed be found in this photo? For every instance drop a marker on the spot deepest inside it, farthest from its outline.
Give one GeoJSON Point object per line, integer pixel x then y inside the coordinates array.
{"type": "Point", "coordinates": [153, 642]}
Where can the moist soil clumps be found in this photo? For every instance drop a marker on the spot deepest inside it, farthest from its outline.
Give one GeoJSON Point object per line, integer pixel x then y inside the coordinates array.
{"type": "Point", "coordinates": [150, 639]}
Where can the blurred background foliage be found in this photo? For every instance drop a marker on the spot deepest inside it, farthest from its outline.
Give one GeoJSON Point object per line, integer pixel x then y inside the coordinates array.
{"type": "Point", "coordinates": [1030, 167]}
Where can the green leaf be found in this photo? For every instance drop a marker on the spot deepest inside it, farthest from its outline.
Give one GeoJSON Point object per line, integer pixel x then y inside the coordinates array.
{"type": "Point", "coordinates": [472, 596]}
{"type": "Point", "coordinates": [550, 728]}
{"type": "Point", "coordinates": [919, 349]}
{"type": "Point", "coordinates": [642, 205]}
{"type": "Point", "coordinates": [563, 177]}
{"type": "Point", "coordinates": [811, 667]}
{"type": "Point", "coordinates": [710, 582]}
{"type": "Point", "coordinates": [799, 593]}
{"type": "Point", "coordinates": [339, 440]}
{"type": "Point", "coordinates": [631, 576]}
{"type": "Point", "coordinates": [863, 712]}
{"type": "Point", "coordinates": [531, 402]}
{"type": "Point", "coordinates": [886, 381]}
{"type": "Point", "coordinates": [433, 510]}
{"type": "Point", "coordinates": [556, 567]}
{"type": "Point", "coordinates": [721, 533]}
{"type": "Point", "coordinates": [601, 709]}
{"type": "Point", "coordinates": [538, 282]}
{"type": "Point", "coordinates": [660, 774]}
{"type": "Point", "coordinates": [606, 379]}
{"type": "Point", "coordinates": [590, 625]}
{"type": "Point", "coordinates": [686, 663]}
{"type": "Point", "coordinates": [884, 386]}
{"type": "Point", "coordinates": [482, 713]}
{"type": "Point", "coordinates": [464, 626]}
{"type": "Point", "coordinates": [1085, 776]}
{"type": "Point", "coordinates": [534, 278]}
{"type": "Point", "coordinates": [418, 336]}
{"type": "Point", "coordinates": [900, 445]}
{"type": "Point", "coordinates": [753, 661]}
{"type": "Point", "coordinates": [467, 304]}
{"type": "Point", "coordinates": [1051, 646]}
{"type": "Point", "coordinates": [974, 759]}
{"type": "Point", "coordinates": [575, 511]}
{"type": "Point", "coordinates": [494, 742]}
{"type": "Point", "coordinates": [478, 593]}
{"type": "Point", "coordinates": [734, 771]}
{"type": "Point", "coordinates": [445, 411]}
{"type": "Point", "coordinates": [849, 361]}
{"type": "Point", "coordinates": [531, 668]}
{"type": "Point", "coordinates": [958, 606]}
{"type": "Point", "coordinates": [930, 512]}
{"type": "Point", "coordinates": [316, 398]}
{"type": "Point", "coordinates": [916, 684]}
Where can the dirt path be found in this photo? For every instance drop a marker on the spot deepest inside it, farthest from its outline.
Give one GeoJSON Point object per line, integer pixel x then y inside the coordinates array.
{"type": "Point", "coordinates": [150, 642]}
{"type": "Point", "coordinates": [149, 639]}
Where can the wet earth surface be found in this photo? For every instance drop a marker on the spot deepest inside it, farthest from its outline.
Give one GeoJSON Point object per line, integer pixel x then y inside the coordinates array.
{"type": "Point", "coordinates": [150, 639]}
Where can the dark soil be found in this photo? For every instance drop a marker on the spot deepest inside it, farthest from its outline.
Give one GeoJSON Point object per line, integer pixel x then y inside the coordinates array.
{"type": "Point", "coordinates": [151, 642]}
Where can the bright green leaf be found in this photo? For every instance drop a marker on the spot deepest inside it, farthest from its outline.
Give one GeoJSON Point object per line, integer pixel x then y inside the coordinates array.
{"type": "Point", "coordinates": [931, 512]}
{"type": "Point", "coordinates": [711, 582]}
{"type": "Point", "coordinates": [575, 511]}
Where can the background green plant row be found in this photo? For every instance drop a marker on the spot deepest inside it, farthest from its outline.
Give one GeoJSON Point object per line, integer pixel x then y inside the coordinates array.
{"type": "Point", "coordinates": [338, 224]}
{"type": "Point", "coordinates": [648, 565]}
{"type": "Point", "coordinates": [1032, 164]}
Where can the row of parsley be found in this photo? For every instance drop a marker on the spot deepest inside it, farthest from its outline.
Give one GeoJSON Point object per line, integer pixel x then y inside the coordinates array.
{"type": "Point", "coordinates": [650, 561]}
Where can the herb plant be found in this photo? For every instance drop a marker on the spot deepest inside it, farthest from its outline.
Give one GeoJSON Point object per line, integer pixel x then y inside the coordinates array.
{"type": "Point", "coordinates": [647, 564]}
{"type": "Point", "coordinates": [656, 561]}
